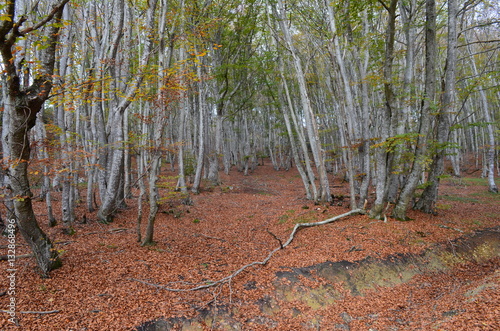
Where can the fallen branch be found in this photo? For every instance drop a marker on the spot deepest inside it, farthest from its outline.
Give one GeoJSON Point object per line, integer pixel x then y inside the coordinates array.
{"type": "Point", "coordinates": [209, 237]}
{"type": "Point", "coordinates": [275, 237]}
{"type": "Point", "coordinates": [296, 228]}
{"type": "Point", "coordinates": [6, 257]}
{"type": "Point", "coordinates": [450, 228]}
{"type": "Point", "coordinates": [117, 230]}
{"type": "Point", "coordinates": [34, 312]}
{"type": "Point", "coordinates": [40, 312]}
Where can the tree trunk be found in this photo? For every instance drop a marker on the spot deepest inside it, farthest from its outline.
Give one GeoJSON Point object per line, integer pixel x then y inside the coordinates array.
{"type": "Point", "coordinates": [67, 203]}
{"type": "Point", "coordinates": [309, 185]}
{"type": "Point", "coordinates": [110, 201]}
{"type": "Point", "coordinates": [489, 164]}
{"type": "Point", "coordinates": [383, 158]}
{"type": "Point", "coordinates": [24, 104]}
{"type": "Point", "coordinates": [430, 194]}
{"type": "Point", "coordinates": [419, 162]}
{"type": "Point", "coordinates": [310, 117]}
{"type": "Point", "coordinates": [41, 135]}
{"type": "Point", "coordinates": [154, 197]}
{"type": "Point", "coordinates": [200, 158]}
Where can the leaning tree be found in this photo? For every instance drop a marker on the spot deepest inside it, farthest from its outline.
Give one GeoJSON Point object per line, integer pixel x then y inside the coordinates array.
{"type": "Point", "coordinates": [28, 86]}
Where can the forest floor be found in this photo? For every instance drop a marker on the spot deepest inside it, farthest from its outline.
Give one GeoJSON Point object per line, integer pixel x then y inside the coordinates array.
{"type": "Point", "coordinates": [109, 282]}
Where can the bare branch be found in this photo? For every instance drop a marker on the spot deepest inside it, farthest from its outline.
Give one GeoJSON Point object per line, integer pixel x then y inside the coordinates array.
{"type": "Point", "coordinates": [34, 312]}
{"type": "Point", "coordinates": [275, 237]}
{"type": "Point", "coordinates": [46, 19]}
{"type": "Point", "coordinates": [296, 228]}
{"type": "Point", "coordinates": [6, 257]}
{"type": "Point", "coordinates": [480, 42]}
{"type": "Point", "coordinates": [384, 5]}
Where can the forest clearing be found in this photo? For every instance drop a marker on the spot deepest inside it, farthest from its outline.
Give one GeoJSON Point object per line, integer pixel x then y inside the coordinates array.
{"type": "Point", "coordinates": [100, 285]}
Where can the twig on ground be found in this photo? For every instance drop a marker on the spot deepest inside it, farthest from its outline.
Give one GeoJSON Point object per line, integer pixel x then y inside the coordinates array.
{"type": "Point", "coordinates": [6, 257]}
{"type": "Point", "coordinates": [34, 312]}
{"type": "Point", "coordinates": [296, 228]}
{"type": "Point", "coordinates": [209, 237]}
{"type": "Point", "coordinates": [41, 312]}
{"type": "Point", "coordinates": [117, 230]}
{"type": "Point", "coordinates": [448, 227]}
{"type": "Point", "coordinates": [275, 237]}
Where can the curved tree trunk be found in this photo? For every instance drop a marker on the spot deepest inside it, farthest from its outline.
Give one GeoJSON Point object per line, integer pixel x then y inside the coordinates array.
{"type": "Point", "coordinates": [42, 247]}
{"type": "Point", "coordinates": [23, 103]}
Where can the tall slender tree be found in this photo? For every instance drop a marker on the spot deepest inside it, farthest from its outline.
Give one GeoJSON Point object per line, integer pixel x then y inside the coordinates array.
{"type": "Point", "coordinates": [429, 197]}
{"type": "Point", "coordinates": [111, 196]}
{"type": "Point", "coordinates": [428, 104]}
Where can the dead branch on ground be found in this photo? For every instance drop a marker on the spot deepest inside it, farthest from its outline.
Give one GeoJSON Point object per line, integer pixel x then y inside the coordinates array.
{"type": "Point", "coordinates": [34, 312]}
{"type": "Point", "coordinates": [7, 257]}
{"type": "Point", "coordinates": [296, 228]}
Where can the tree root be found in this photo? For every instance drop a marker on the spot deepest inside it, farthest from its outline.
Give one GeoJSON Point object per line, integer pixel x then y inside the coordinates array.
{"type": "Point", "coordinates": [296, 228]}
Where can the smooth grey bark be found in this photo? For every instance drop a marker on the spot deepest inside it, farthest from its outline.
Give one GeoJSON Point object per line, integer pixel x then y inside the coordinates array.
{"type": "Point", "coordinates": [348, 111]}
{"type": "Point", "coordinates": [181, 181]}
{"type": "Point", "coordinates": [428, 104]}
{"type": "Point", "coordinates": [100, 59]}
{"type": "Point", "coordinates": [383, 158]}
{"type": "Point", "coordinates": [109, 204]}
{"type": "Point", "coordinates": [365, 120]}
{"type": "Point", "coordinates": [429, 196]}
{"type": "Point", "coordinates": [183, 114]}
{"type": "Point", "coordinates": [310, 116]}
{"type": "Point", "coordinates": [88, 128]}
{"type": "Point", "coordinates": [489, 157]}
{"type": "Point", "coordinates": [142, 192]}
{"type": "Point", "coordinates": [154, 171]}
{"type": "Point", "coordinates": [309, 185]}
{"type": "Point", "coordinates": [200, 158]}
{"type": "Point", "coordinates": [401, 120]}
{"type": "Point", "coordinates": [158, 127]}
{"type": "Point", "coordinates": [41, 135]}
{"type": "Point", "coordinates": [7, 110]}
{"type": "Point", "coordinates": [24, 102]}
{"type": "Point", "coordinates": [67, 200]}
{"type": "Point", "coordinates": [303, 145]}
{"type": "Point", "coordinates": [124, 71]}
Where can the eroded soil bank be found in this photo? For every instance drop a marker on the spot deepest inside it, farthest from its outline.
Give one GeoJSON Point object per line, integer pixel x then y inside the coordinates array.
{"type": "Point", "coordinates": [468, 269]}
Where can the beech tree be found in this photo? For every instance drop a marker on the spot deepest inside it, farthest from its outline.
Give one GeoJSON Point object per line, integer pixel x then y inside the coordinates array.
{"type": "Point", "coordinates": [111, 196]}
{"type": "Point", "coordinates": [429, 196]}
{"type": "Point", "coordinates": [28, 87]}
{"type": "Point", "coordinates": [323, 193]}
